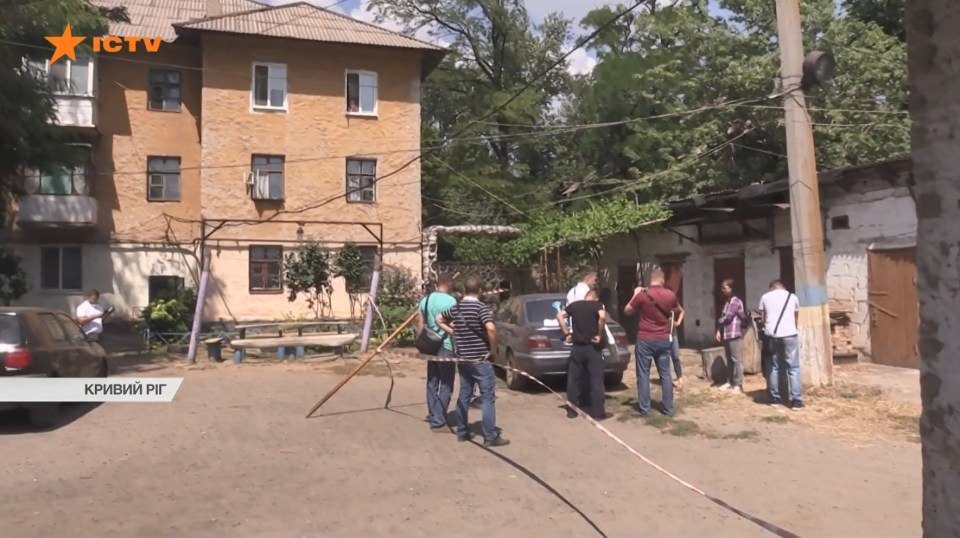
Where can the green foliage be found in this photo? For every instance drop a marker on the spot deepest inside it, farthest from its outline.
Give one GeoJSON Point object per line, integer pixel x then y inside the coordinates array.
{"type": "Point", "coordinates": [352, 268]}
{"type": "Point", "coordinates": [397, 297]}
{"type": "Point", "coordinates": [587, 228]}
{"type": "Point", "coordinates": [13, 279]}
{"type": "Point", "coordinates": [308, 271]}
{"type": "Point", "coordinates": [28, 136]}
{"type": "Point", "coordinates": [171, 312]}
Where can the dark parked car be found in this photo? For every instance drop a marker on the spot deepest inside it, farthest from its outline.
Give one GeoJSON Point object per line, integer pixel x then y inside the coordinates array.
{"type": "Point", "coordinates": [44, 343]}
{"type": "Point", "coordinates": [530, 340]}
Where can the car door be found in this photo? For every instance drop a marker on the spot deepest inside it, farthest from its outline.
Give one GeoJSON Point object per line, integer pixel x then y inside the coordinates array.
{"type": "Point", "coordinates": [58, 346]}
{"type": "Point", "coordinates": [507, 327]}
{"type": "Point", "coordinates": [84, 354]}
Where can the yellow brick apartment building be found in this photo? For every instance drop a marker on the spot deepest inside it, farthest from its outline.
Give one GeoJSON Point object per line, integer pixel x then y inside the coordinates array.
{"type": "Point", "coordinates": [251, 129]}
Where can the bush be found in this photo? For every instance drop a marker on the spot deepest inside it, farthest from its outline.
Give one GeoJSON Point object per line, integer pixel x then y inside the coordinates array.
{"type": "Point", "coordinates": [397, 297]}
{"type": "Point", "coordinates": [171, 313]}
{"type": "Point", "coordinates": [308, 272]}
{"type": "Point", "coordinates": [13, 279]}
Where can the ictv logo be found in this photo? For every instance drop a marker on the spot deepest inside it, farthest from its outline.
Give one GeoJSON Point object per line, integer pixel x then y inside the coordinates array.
{"type": "Point", "coordinates": [66, 44]}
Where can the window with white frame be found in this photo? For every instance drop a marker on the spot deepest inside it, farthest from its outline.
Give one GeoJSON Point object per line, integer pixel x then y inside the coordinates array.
{"type": "Point", "coordinates": [269, 90]}
{"type": "Point", "coordinates": [267, 175]}
{"type": "Point", "coordinates": [361, 92]}
{"type": "Point", "coordinates": [61, 268]}
{"type": "Point", "coordinates": [163, 179]}
{"type": "Point", "coordinates": [361, 180]}
{"type": "Point", "coordinates": [62, 181]}
{"type": "Point", "coordinates": [164, 90]}
{"type": "Point", "coordinates": [65, 76]}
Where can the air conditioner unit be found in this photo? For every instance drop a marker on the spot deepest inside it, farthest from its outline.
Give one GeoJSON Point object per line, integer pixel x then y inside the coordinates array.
{"type": "Point", "coordinates": [260, 190]}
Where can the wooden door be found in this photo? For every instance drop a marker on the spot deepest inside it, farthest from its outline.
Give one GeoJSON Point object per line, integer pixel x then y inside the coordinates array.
{"type": "Point", "coordinates": [786, 269]}
{"type": "Point", "coordinates": [626, 281]}
{"type": "Point", "coordinates": [894, 311]}
{"type": "Point", "coordinates": [724, 268]}
{"type": "Point", "coordinates": [673, 276]}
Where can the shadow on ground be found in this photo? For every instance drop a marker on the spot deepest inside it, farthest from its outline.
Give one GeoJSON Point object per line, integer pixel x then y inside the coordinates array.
{"type": "Point", "coordinates": [16, 422]}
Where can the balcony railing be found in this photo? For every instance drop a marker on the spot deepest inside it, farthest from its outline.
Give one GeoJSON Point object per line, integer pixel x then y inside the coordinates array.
{"type": "Point", "coordinates": [62, 198]}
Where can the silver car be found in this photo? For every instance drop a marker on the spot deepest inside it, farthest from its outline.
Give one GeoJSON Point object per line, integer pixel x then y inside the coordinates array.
{"type": "Point", "coordinates": [530, 340]}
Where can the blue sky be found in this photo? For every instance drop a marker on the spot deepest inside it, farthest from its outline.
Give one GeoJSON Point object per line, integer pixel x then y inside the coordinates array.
{"type": "Point", "coordinates": [580, 61]}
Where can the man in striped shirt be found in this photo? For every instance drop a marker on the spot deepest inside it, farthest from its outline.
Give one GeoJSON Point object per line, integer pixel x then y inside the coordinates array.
{"type": "Point", "coordinates": [730, 334]}
{"type": "Point", "coordinates": [475, 339]}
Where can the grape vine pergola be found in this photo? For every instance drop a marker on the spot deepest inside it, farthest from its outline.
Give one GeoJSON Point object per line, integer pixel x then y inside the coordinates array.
{"type": "Point", "coordinates": [431, 234]}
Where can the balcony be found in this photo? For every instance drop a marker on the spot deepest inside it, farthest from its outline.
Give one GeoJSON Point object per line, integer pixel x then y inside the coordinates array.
{"type": "Point", "coordinates": [58, 199]}
{"type": "Point", "coordinates": [73, 86]}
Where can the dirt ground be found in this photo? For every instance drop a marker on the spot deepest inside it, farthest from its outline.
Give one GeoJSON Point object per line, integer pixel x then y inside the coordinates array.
{"type": "Point", "coordinates": [233, 456]}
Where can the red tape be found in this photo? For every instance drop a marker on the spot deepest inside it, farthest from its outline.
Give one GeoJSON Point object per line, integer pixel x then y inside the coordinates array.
{"type": "Point", "coordinates": [766, 525]}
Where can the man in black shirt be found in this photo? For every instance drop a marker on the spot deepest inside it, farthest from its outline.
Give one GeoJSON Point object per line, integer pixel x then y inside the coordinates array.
{"type": "Point", "coordinates": [586, 356]}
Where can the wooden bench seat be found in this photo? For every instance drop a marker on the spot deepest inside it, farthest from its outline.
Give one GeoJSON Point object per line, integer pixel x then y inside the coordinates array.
{"type": "Point", "coordinates": [298, 343]}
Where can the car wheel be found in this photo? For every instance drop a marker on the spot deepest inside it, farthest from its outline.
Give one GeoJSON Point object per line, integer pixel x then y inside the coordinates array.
{"type": "Point", "coordinates": [514, 380]}
{"type": "Point", "coordinates": [104, 370]}
{"type": "Point", "coordinates": [44, 415]}
{"type": "Point", "coordinates": [613, 380]}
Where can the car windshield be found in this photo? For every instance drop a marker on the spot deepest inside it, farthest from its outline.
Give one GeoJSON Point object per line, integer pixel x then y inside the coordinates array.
{"type": "Point", "coordinates": [544, 311]}
{"type": "Point", "coordinates": [9, 329]}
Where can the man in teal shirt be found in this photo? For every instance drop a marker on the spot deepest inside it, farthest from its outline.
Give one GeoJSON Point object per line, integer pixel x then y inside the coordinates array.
{"type": "Point", "coordinates": [440, 375]}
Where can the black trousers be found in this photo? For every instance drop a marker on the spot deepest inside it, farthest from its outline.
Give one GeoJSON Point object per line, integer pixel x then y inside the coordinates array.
{"type": "Point", "coordinates": [585, 375]}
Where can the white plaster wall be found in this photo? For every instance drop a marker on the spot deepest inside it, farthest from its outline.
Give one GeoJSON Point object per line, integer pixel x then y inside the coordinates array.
{"type": "Point", "coordinates": [229, 297]}
{"type": "Point", "coordinates": [761, 265]}
{"type": "Point", "coordinates": [119, 271]}
{"type": "Point", "coordinates": [879, 219]}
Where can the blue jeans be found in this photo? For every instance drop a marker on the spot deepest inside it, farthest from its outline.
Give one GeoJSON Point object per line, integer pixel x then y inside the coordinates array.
{"type": "Point", "coordinates": [471, 375]}
{"type": "Point", "coordinates": [440, 388]}
{"type": "Point", "coordinates": [648, 352]}
{"type": "Point", "coordinates": [786, 354]}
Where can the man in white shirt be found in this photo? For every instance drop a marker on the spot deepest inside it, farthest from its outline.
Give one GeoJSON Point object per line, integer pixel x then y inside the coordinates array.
{"type": "Point", "coordinates": [780, 310]}
{"type": "Point", "coordinates": [90, 315]}
{"type": "Point", "coordinates": [588, 281]}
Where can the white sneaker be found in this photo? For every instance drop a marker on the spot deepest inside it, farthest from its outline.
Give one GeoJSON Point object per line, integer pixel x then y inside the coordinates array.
{"type": "Point", "coordinates": [725, 386]}
{"type": "Point", "coordinates": [736, 390]}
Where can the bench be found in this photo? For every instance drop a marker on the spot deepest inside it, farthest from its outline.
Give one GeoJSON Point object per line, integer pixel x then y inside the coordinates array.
{"type": "Point", "coordinates": [300, 342]}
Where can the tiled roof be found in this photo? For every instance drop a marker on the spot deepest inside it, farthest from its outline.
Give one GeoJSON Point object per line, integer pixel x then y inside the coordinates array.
{"type": "Point", "coordinates": [162, 18]}
{"type": "Point", "coordinates": [306, 22]}
{"type": "Point", "coordinates": [155, 18]}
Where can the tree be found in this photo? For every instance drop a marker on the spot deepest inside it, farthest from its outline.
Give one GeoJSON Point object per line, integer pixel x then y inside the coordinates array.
{"type": "Point", "coordinates": [308, 271]}
{"type": "Point", "coordinates": [932, 29]}
{"type": "Point", "coordinates": [495, 51]}
{"type": "Point", "coordinates": [29, 137]}
{"type": "Point", "coordinates": [13, 279]}
{"type": "Point", "coordinates": [702, 82]}
{"type": "Point", "coordinates": [355, 272]}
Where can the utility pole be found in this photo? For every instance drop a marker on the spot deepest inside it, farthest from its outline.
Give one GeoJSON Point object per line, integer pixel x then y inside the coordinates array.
{"type": "Point", "coordinates": [933, 45]}
{"type": "Point", "coordinates": [806, 222]}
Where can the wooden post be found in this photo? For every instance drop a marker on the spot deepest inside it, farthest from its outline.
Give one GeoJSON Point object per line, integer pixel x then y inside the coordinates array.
{"type": "Point", "coordinates": [816, 351]}
{"type": "Point", "coordinates": [366, 360]}
{"type": "Point", "coordinates": [371, 300]}
{"type": "Point", "coordinates": [362, 363]}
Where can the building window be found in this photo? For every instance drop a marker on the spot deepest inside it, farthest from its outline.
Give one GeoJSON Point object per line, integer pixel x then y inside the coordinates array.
{"type": "Point", "coordinates": [164, 90]}
{"type": "Point", "coordinates": [61, 268]}
{"type": "Point", "coordinates": [266, 179]}
{"type": "Point", "coordinates": [361, 92]}
{"type": "Point", "coordinates": [361, 180]}
{"type": "Point", "coordinates": [163, 179]}
{"type": "Point", "coordinates": [269, 87]}
{"type": "Point", "coordinates": [62, 181]}
{"type": "Point", "coordinates": [65, 76]}
{"type": "Point", "coordinates": [266, 268]}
